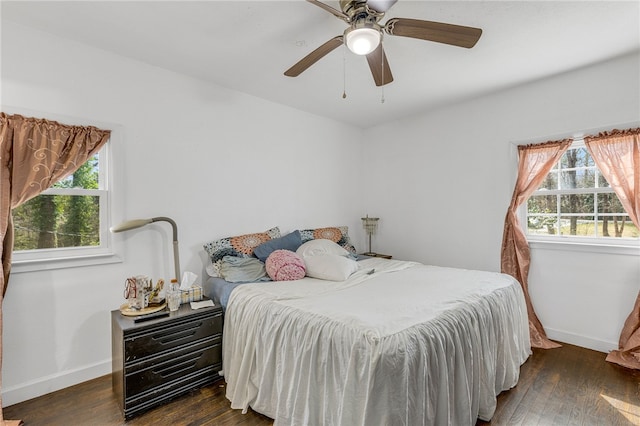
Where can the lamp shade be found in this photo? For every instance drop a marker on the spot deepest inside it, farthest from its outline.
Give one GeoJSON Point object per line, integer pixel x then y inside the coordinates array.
{"type": "Point", "coordinates": [362, 40]}
{"type": "Point", "coordinates": [130, 224]}
{"type": "Point", "coordinates": [370, 225]}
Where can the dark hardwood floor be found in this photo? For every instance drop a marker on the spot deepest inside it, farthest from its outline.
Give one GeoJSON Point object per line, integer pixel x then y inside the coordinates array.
{"type": "Point", "coordinates": [565, 386]}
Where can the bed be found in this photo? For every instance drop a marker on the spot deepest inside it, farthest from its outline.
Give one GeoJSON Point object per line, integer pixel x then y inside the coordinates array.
{"type": "Point", "coordinates": [396, 343]}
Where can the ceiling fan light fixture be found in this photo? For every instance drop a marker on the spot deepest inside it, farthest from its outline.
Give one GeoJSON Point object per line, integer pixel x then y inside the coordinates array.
{"type": "Point", "coordinates": [362, 39]}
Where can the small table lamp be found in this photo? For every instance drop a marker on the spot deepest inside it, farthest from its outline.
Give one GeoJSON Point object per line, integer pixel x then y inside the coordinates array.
{"type": "Point", "coordinates": [137, 223]}
{"type": "Point", "coordinates": [370, 225]}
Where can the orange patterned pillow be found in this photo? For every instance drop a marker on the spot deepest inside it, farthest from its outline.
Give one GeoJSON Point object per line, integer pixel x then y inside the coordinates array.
{"type": "Point", "coordinates": [337, 234]}
{"type": "Point", "coordinates": [239, 246]}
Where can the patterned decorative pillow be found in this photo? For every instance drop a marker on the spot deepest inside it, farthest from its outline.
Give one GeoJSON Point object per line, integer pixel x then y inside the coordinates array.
{"type": "Point", "coordinates": [337, 234]}
{"type": "Point", "coordinates": [239, 246]}
{"type": "Point", "coordinates": [285, 265]}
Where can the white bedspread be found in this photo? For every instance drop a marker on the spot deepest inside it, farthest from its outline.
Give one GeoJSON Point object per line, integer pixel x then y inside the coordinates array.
{"type": "Point", "coordinates": [409, 344]}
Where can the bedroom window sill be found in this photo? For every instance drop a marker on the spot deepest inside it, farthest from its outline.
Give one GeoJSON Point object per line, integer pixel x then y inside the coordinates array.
{"type": "Point", "coordinates": [22, 266]}
{"type": "Point", "coordinates": [631, 249]}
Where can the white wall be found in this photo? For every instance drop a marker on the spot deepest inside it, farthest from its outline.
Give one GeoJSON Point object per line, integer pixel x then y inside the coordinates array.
{"type": "Point", "coordinates": [218, 162]}
{"type": "Point", "coordinates": [441, 182]}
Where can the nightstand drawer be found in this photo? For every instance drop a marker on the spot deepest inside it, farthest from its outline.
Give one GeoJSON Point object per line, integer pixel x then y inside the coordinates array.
{"type": "Point", "coordinates": [142, 402]}
{"type": "Point", "coordinates": [169, 337]}
{"type": "Point", "coordinates": [163, 370]}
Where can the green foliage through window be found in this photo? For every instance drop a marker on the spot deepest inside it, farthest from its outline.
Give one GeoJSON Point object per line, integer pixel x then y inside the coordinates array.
{"type": "Point", "coordinates": [67, 215]}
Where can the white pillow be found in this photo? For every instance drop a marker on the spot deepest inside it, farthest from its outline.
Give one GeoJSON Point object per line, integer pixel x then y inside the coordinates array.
{"type": "Point", "coordinates": [320, 246]}
{"type": "Point", "coordinates": [332, 267]}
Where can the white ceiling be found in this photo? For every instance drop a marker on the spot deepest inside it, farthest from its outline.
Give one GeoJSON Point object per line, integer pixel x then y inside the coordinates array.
{"type": "Point", "coordinates": [247, 45]}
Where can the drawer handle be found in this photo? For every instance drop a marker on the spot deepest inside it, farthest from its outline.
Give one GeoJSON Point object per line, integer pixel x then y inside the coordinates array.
{"type": "Point", "coordinates": [177, 336]}
{"type": "Point", "coordinates": [177, 368]}
{"type": "Point", "coordinates": [171, 336]}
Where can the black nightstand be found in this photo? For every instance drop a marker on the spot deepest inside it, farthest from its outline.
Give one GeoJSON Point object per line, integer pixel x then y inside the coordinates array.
{"type": "Point", "coordinates": [157, 360]}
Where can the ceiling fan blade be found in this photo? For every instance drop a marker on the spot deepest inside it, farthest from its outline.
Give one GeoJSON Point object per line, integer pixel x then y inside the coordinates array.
{"type": "Point", "coordinates": [379, 66]}
{"type": "Point", "coordinates": [455, 35]}
{"type": "Point", "coordinates": [381, 5]}
{"type": "Point", "coordinates": [314, 57]}
{"type": "Point", "coordinates": [331, 10]}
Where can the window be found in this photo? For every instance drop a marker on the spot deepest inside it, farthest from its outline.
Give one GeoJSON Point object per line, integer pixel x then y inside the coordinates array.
{"type": "Point", "coordinates": [68, 224]}
{"type": "Point", "coordinates": [576, 204]}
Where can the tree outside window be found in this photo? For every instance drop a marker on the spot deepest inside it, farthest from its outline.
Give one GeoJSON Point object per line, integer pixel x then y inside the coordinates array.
{"type": "Point", "coordinates": [576, 201]}
{"type": "Point", "coordinates": [66, 215]}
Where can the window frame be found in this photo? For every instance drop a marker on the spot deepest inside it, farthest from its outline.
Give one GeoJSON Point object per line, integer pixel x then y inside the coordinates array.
{"type": "Point", "coordinates": [611, 245]}
{"type": "Point", "coordinates": [110, 249]}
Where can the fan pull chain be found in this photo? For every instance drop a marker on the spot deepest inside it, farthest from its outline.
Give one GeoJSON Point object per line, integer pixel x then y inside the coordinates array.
{"type": "Point", "coordinates": [344, 72]}
{"type": "Point", "coordinates": [382, 66]}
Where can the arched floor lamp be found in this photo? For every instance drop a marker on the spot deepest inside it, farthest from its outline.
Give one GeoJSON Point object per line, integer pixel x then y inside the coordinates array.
{"type": "Point", "coordinates": [137, 223]}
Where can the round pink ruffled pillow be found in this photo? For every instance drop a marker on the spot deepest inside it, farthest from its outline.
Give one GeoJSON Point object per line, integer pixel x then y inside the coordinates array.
{"type": "Point", "coordinates": [285, 265]}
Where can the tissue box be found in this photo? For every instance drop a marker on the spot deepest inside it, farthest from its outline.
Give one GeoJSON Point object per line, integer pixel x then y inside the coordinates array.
{"type": "Point", "coordinates": [194, 294]}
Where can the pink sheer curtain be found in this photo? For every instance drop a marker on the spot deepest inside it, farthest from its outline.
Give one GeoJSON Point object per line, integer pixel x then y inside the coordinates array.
{"type": "Point", "coordinates": [617, 155]}
{"type": "Point", "coordinates": [35, 154]}
{"type": "Point", "coordinates": [534, 163]}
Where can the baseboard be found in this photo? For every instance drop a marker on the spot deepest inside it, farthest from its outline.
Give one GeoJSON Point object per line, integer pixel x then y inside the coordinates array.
{"type": "Point", "coordinates": [23, 392]}
{"type": "Point", "coordinates": [579, 340]}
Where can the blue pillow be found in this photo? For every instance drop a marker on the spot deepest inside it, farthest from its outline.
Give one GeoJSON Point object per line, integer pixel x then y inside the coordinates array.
{"type": "Point", "coordinates": [289, 242]}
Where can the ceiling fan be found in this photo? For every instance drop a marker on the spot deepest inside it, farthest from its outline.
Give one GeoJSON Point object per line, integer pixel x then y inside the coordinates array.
{"type": "Point", "coordinates": [364, 35]}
